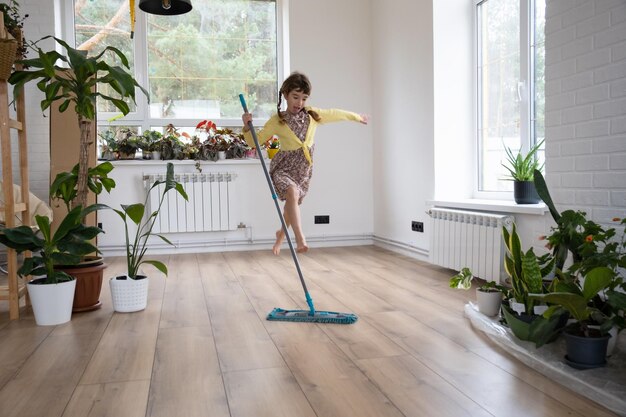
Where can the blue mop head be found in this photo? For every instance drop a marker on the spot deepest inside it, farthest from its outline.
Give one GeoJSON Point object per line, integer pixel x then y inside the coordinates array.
{"type": "Point", "coordinates": [317, 317]}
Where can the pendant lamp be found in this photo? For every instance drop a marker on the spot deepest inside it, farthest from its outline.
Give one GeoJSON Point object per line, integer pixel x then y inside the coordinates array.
{"type": "Point", "coordinates": [165, 7]}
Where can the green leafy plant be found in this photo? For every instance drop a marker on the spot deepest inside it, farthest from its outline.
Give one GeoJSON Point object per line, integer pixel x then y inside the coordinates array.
{"type": "Point", "coordinates": [593, 248]}
{"type": "Point", "coordinates": [525, 269]}
{"type": "Point", "coordinates": [66, 246]}
{"type": "Point", "coordinates": [577, 300]}
{"type": "Point", "coordinates": [65, 185]}
{"type": "Point", "coordinates": [77, 84]}
{"type": "Point", "coordinates": [463, 281]}
{"type": "Point", "coordinates": [14, 24]}
{"type": "Point", "coordinates": [143, 224]}
{"type": "Point", "coordinates": [520, 167]}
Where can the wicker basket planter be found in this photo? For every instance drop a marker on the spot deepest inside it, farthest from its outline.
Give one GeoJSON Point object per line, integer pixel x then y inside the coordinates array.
{"type": "Point", "coordinates": [129, 295]}
{"type": "Point", "coordinates": [8, 50]}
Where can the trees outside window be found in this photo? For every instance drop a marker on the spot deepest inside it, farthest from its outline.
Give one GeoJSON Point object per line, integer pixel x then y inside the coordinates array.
{"type": "Point", "coordinates": [194, 65]}
{"type": "Point", "coordinates": [510, 85]}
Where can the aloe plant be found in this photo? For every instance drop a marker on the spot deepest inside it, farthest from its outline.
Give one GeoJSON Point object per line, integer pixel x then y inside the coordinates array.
{"type": "Point", "coordinates": [521, 167]}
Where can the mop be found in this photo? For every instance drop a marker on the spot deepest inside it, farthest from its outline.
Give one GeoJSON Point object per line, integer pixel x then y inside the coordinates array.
{"type": "Point", "coordinates": [295, 315]}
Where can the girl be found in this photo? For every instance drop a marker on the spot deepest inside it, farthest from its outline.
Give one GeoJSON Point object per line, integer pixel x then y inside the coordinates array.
{"type": "Point", "coordinates": [291, 169]}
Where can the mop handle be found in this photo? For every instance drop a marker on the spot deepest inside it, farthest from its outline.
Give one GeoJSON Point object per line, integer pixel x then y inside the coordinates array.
{"type": "Point", "coordinates": [280, 214]}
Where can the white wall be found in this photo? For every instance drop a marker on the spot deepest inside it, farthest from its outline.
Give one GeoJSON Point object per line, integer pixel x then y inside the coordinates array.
{"type": "Point", "coordinates": [454, 99]}
{"type": "Point", "coordinates": [586, 106]}
{"type": "Point", "coordinates": [330, 42]}
{"type": "Point", "coordinates": [402, 35]}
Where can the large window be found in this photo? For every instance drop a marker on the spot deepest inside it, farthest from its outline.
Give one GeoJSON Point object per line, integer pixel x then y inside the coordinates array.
{"type": "Point", "coordinates": [194, 65]}
{"type": "Point", "coordinates": [510, 36]}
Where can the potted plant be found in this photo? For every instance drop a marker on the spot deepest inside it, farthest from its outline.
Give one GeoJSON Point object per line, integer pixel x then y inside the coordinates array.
{"type": "Point", "coordinates": [130, 292]}
{"type": "Point", "coordinates": [108, 145]}
{"type": "Point", "coordinates": [12, 43]}
{"type": "Point", "coordinates": [273, 146]}
{"type": "Point", "coordinates": [586, 346]}
{"type": "Point", "coordinates": [78, 84]}
{"type": "Point", "coordinates": [488, 295]}
{"type": "Point", "coordinates": [151, 142]}
{"type": "Point", "coordinates": [526, 273]}
{"type": "Point", "coordinates": [127, 144]}
{"type": "Point", "coordinates": [521, 170]}
{"type": "Point", "coordinates": [52, 293]}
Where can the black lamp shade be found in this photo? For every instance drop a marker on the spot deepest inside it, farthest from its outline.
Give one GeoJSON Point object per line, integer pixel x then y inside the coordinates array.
{"type": "Point", "coordinates": [165, 7]}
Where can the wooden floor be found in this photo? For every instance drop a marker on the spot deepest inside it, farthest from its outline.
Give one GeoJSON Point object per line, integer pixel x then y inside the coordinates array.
{"type": "Point", "coordinates": [203, 347]}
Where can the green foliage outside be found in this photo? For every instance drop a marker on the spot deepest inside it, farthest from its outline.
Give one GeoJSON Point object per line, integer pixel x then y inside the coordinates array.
{"type": "Point", "coordinates": [218, 50]}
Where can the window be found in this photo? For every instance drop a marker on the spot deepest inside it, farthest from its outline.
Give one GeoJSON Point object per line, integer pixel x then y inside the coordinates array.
{"type": "Point", "coordinates": [510, 85]}
{"type": "Point", "coordinates": [194, 65]}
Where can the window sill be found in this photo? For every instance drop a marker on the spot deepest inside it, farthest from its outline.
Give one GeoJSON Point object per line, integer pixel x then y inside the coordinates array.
{"type": "Point", "coordinates": [501, 206]}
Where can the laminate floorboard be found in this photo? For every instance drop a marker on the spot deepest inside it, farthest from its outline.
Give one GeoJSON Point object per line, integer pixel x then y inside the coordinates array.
{"type": "Point", "coordinates": [203, 347]}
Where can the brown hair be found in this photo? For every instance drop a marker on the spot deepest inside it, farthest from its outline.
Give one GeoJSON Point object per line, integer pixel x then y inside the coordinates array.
{"type": "Point", "coordinates": [298, 82]}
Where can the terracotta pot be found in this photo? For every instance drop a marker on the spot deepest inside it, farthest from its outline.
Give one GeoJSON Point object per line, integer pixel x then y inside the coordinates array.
{"type": "Point", "coordinates": [88, 284]}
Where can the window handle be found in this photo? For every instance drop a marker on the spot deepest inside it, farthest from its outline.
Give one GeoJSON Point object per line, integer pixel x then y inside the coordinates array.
{"type": "Point", "coordinates": [521, 89]}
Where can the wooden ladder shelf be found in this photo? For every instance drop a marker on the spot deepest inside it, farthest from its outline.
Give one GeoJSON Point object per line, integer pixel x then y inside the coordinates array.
{"type": "Point", "coordinates": [16, 288]}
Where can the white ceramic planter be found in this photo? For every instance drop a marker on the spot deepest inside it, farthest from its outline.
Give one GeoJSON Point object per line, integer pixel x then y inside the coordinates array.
{"type": "Point", "coordinates": [221, 155]}
{"type": "Point", "coordinates": [489, 302]}
{"type": "Point", "coordinates": [129, 295]}
{"type": "Point", "coordinates": [156, 155]}
{"type": "Point", "coordinates": [52, 303]}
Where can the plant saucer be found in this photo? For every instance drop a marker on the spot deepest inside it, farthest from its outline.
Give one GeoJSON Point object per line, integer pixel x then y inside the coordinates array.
{"type": "Point", "coordinates": [582, 366]}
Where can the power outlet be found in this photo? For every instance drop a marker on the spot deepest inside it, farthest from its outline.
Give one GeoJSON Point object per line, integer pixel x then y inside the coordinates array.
{"type": "Point", "coordinates": [322, 219]}
{"type": "Point", "coordinates": [417, 227]}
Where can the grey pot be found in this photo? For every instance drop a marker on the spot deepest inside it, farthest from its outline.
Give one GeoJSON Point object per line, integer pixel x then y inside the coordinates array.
{"type": "Point", "coordinates": [525, 192]}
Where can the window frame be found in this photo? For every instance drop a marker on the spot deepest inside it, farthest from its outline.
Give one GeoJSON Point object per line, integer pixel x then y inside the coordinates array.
{"type": "Point", "coordinates": [141, 118]}
{"type": "Point", "coordinates": [526, 91]}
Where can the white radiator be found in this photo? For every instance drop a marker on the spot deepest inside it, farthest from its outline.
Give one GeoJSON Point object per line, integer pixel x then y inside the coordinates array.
{"type": "Point", "coordinates": [469, 239]}
{"type": "Point", "coordinates": [209, 208]}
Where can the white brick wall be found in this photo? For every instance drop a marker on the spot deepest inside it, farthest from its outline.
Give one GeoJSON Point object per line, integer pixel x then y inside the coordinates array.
{"type": "Point", "coordinates": [586, 106]}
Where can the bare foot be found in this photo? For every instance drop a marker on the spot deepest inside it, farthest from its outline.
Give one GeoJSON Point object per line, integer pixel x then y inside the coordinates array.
{"type": "Point", "coordinates": [302, 247]}
{"type": "Point", "coordinates": [280, 235]}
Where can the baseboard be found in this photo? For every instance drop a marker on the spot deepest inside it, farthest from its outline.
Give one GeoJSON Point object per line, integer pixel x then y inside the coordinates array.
{"type": "Point", "coordinates": [238, 244]}
{"type": "Point", "coordinates": [402, 248]}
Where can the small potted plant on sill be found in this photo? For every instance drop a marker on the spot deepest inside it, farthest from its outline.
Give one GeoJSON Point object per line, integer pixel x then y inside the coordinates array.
{"type": "Point", "coordinates": [273, 147]}
{"type": "Point", "coordinates": [151, 142]}
{"type": "Point", "coordinates": [130, 292]}
{"type": "Point", "coordinates": [521, 171]}
{"type": "Point", "coordinates": [488, 295]}
{"type": "Point", "coordinates": [108, 145]}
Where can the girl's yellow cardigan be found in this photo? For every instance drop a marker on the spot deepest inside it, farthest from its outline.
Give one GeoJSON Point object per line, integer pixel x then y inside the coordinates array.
{"type": "Point", "coordinates": [288, 140]}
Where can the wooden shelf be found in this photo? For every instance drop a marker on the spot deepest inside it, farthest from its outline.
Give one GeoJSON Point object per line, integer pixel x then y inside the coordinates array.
{"type": "Point", "coordinates": [15, 290]}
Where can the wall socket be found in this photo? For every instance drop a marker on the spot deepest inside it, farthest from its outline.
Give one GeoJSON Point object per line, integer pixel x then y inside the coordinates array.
{"type": "Point", "coordinates": [322, 219]}
{"type": "Point", "coordinates": [417, 227]}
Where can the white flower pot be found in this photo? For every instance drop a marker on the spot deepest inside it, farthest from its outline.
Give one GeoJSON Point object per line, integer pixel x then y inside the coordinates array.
{"type": "Point", "coordinates": [129, 295]}
{"type": "Point", "coordinates": [221, 155]}
{"type": "Point", "coordinates": [489, 302]}
{"type": "Point", "coordinates": [156, 155]}
{"type": "Point", "coordinates": [52, 303]}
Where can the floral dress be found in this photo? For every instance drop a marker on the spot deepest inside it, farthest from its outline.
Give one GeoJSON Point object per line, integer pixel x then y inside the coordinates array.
{"type": "Point", "coordinates": [291, 167]}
